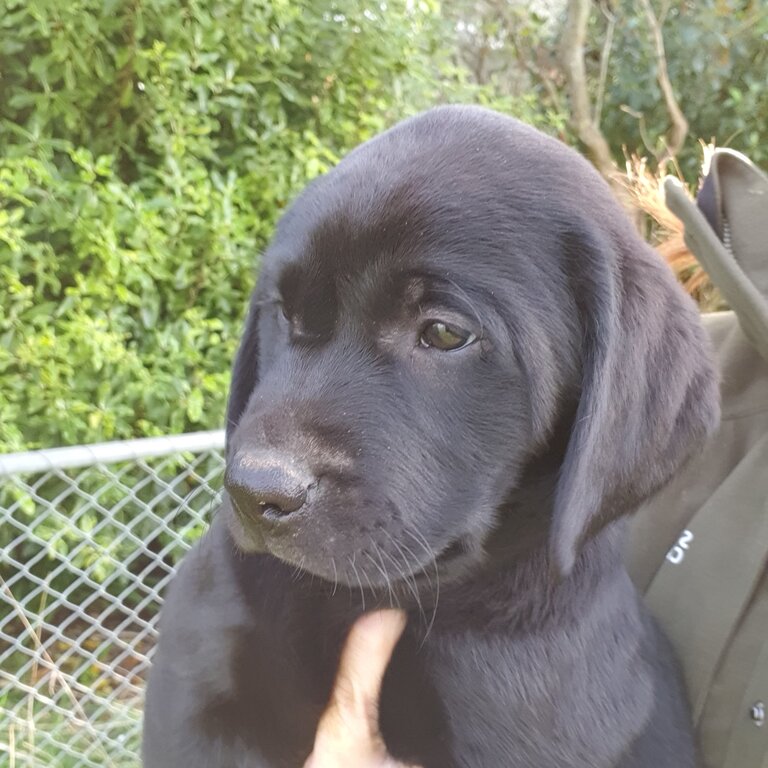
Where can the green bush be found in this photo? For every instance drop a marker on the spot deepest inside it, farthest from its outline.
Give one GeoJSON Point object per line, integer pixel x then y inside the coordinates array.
{"type": "Point", "coordinates": [148, 147]}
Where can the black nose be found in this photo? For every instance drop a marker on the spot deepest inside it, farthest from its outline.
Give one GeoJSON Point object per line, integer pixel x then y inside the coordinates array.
{"type": "Point", "coordinates": [266, 483]}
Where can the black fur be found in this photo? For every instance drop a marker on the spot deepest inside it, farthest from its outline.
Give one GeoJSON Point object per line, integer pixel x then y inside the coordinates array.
{"type": "Point", "coordinates": [502, 470]}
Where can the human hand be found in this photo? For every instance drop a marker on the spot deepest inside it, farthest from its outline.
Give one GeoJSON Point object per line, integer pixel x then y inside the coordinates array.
{"type": "Point", "coordinates": [348, 734]}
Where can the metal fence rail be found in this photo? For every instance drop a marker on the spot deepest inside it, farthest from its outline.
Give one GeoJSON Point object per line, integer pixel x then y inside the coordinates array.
{"type": "Point", "coordinates": [89, 537]}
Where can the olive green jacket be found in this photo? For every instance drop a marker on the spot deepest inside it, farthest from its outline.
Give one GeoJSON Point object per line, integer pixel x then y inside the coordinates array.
{"type": "Point", "coordinates": [699, 547]}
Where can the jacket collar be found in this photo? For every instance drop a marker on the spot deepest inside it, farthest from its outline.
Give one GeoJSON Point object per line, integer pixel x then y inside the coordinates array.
{"type": "Point", "coordinates": [727, 230]}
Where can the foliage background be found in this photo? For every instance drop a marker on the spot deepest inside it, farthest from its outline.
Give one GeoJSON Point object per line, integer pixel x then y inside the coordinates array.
{"type": "Point", "coordinates": [147, 147]}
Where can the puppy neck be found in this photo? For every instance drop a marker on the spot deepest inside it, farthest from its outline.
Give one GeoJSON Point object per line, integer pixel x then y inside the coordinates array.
{"type": "Point", "coordinates": [513, 592]}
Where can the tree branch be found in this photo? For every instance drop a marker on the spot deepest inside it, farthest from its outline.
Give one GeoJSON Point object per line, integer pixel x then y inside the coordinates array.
{"type": "Point", "coordinates": [605, 57]}
{"type": "Point", "coordinates": [572, 61]}
{"type": "Point", "coordinates": [679, 128]}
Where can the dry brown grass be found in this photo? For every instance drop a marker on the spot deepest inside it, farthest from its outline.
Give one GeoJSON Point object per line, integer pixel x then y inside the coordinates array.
{"type": "Point", "coordinates": [665, 231]}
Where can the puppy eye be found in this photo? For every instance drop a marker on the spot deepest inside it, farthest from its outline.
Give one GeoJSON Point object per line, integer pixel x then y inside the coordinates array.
{"type": "Point", "coordinates": [445, 337]}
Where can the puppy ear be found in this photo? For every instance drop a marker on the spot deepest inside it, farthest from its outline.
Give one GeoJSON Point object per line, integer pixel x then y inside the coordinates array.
{"type": "Point", "coordinates": [245, 372]}
{"type": "Point", "coordinates": [649, 391]}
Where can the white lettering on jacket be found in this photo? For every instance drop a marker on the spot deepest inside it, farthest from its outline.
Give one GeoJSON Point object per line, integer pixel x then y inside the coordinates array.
{"type": "Point", "coordinates": [677, 553]}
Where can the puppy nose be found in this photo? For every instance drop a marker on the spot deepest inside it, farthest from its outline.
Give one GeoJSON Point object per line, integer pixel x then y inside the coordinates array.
{"type": "Point", "coordinates": [266, 483]}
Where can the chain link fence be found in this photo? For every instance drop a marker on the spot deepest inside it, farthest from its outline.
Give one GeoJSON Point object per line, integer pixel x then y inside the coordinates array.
{"type": "Point", "coordinates": [89, 538]}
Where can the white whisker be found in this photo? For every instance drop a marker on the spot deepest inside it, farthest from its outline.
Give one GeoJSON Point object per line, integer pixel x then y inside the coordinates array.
{"type": "Point", "coordinates": [433, 558]}
{"type": "Point", "coordinates": [335, 577]}
{"type": "Point", "coordinates": [359, 583]}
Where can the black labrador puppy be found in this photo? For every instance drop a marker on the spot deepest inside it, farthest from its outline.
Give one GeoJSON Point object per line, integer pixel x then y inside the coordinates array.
{"type": "Point", "coordinates": [461, 369]}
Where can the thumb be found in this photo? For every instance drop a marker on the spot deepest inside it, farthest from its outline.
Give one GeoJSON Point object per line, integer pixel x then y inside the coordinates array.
{"type": "Point", "coordinates": [350, 725]}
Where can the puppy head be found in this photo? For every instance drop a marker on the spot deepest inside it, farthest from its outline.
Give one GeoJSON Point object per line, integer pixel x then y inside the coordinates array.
{"type": "Point", "coordinates": [427, 313]}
